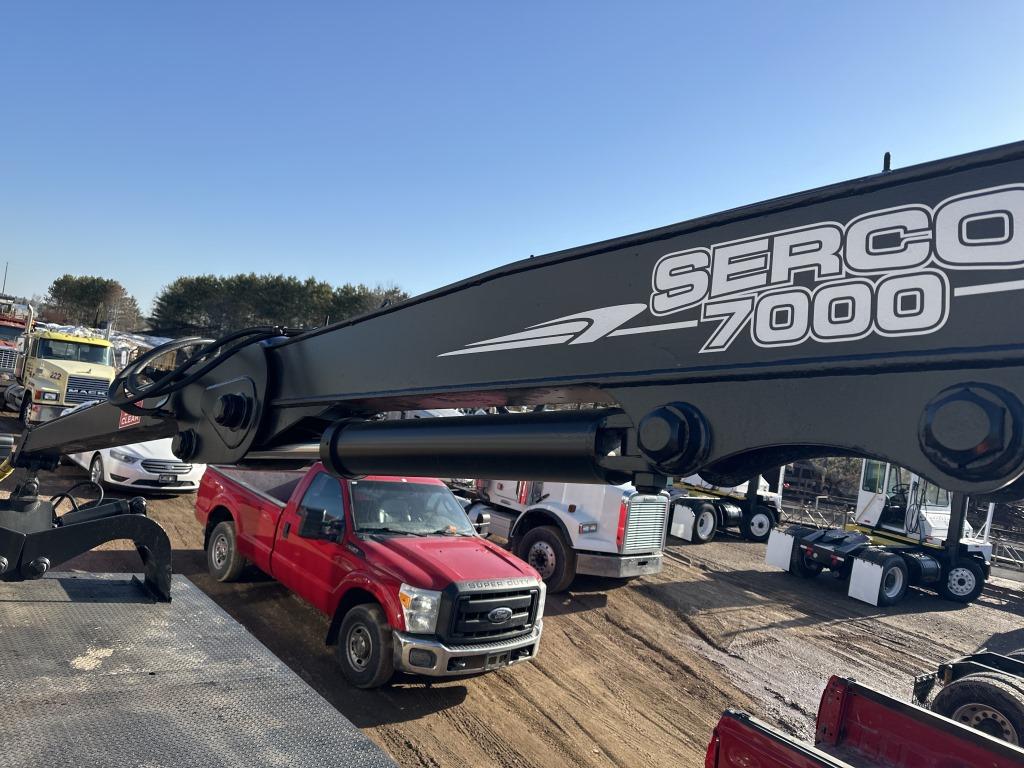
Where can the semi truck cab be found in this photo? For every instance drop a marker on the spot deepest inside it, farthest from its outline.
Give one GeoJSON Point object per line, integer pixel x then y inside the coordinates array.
{"type": "Point", "coordinates": [565, 529]}
{"type": "Point", "coordinates": [57, 370]}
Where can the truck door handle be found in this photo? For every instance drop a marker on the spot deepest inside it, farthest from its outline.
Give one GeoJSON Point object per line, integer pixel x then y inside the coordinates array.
{"type": "Point", "coordinates": [287, 528]}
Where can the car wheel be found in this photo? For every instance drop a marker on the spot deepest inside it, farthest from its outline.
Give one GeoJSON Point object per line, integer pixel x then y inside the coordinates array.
{"type": "Point", "coordinates": [963, 582]}
{"type": "Point", "coordinates": [96, 470]}
{"type": "Point", "coordinates": [989, 702]}
{"type": "Point", "coordinates": [546, 550]}
{"type": "Point", "coordinates": [364, 647]}
{"type": "Point", "coordinates": [757, 526]}
{"type": "Point", "coordinates": [895, 580]}
{"type": "Point", "coordinates": [705, 524]}
{"type": "Point", "coordinates": [222, 558]}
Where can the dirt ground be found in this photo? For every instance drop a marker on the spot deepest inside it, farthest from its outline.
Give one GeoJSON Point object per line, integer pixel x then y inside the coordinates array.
{"type": "Point", "coordinates": [627, 675]}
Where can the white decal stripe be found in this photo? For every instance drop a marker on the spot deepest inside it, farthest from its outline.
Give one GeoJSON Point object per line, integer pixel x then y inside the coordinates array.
{"type": "Point", "coordinates": [974, 290]}
{"type": "Point", "coordinates": [654, 328]}
{"type": "Point", "coordinates": [511, 345]}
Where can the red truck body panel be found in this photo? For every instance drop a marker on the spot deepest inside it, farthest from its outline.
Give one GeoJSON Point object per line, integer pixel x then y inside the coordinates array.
{"type": "Point", "coordinates": [860, 727]}
{"type": "Point", "coordinates": [323, 571]}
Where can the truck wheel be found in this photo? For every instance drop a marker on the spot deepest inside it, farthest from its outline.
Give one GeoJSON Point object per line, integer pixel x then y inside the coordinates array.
{"type": "Point", "coordinates": [963, 582]}
{"type": "Point", "coordinates": [757, 526]}
{"type": "Point", "coordinates": [364, 647]}
{"type": "Point", "coordinates": [546, 550]}
{"type": "Point", "coordinates": [989, 702]}
{"type": "Point", "coordinates": [705, 524]}
{"type": "Point", "coordinates": [96, 470]}
{"type": "Point", "coordinates": [26, 409]}
{"type": "Point", "coordinates": [895, 580]}
{"type": "Point", "coordinates": [222, 558]}
{"type": "Point", "coordinates": [803, 565]}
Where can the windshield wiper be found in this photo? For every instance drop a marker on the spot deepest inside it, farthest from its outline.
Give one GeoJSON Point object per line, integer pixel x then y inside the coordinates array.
{"type": "Point", "coordinates": [447, 532]}
{"type": "Point", "coordinates": [385, 529]}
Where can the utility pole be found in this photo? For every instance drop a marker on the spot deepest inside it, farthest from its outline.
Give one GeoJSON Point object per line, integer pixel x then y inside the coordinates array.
{"type": "Point", "coordinates": [4, 289]}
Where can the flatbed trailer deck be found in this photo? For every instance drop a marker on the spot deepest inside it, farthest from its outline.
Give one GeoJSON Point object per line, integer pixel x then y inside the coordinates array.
{"type": "Point", "coordinates": [94, 673]}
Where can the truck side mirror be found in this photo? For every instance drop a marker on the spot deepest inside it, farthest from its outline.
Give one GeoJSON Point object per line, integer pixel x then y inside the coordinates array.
{"type": "Point", "coordinates": [317, 525]}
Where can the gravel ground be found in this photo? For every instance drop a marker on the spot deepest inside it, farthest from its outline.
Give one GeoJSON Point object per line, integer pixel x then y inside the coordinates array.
{"type": "Point", "coordinates": [627, 675]}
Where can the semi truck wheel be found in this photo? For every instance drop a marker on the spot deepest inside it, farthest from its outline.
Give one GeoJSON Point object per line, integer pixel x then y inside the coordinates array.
{"type": "Point", "coordinates": [705, 523]}
{"type": "Point", "coordinates": [963, 582]}
{"type": "Point", "coordinates": [757, 526]}
{"type": "Point", "coordinates": [364, 647]}
{"type": "Point", "coordinates": [987, 701]}
{"type": "Point", "coordinates": [803, 565]}
{"type": "Point", "coordinates": [895, 580]}
{"type": "Point", "coordinates": [25, 413]}
{"type": "Point", "coordinates": [549, 553]}
{"type": "Point", "coordinates": [222, 558]}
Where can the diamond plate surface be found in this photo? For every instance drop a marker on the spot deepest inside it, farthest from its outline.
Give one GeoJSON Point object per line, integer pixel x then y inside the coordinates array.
{"type": "Point", "coordinates": [94, 674]}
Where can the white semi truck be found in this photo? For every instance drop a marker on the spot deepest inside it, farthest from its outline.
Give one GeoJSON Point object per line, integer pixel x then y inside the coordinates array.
{"type": "Point", "coordinates": [899, 538]}
{"type": "Point", "coordinates": [700, 509]}
{"type": "Point", "coordinates": [565, 529]}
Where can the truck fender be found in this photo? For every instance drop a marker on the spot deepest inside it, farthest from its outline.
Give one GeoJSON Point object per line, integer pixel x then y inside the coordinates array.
{"type": "Point", "coordinates": [545, 514]}
{"type": "Point", "coordinates": [358, 589]}
{"type": "Point", "coordinates": [219, 512]}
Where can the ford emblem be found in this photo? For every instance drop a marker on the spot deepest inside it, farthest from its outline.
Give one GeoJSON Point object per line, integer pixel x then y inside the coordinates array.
{"type": "Point", "coordinates": [499, 615]}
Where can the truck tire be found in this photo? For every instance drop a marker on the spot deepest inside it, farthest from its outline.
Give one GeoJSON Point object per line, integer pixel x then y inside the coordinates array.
{"type": "Point", "coordinates": [222, 558]}
{"type": "Point", "coordinates": [801, 565]}
{"type": "Point", "coordinates": [24, 414]}
{"type": "Point", "coordinates": [895, 580]}
{"type": "Point", "coordinates": [963, 582]}
{"type": "Point", "coordinates": [757, 526]}
{"type": "Point", "coordinates": [990, 702]}
{"type": "Point", "coordinates": [364, 647]}
{"type": "Point", "coordinates": [549, 553]}
{"type": "Point", "coordinates": [705, 523]}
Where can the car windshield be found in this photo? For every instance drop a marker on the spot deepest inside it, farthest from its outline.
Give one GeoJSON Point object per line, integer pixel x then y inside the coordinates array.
{"type": "Point", "coordinates": [52, 349]}
{"type": "Point", "coordinates": [414, 509]}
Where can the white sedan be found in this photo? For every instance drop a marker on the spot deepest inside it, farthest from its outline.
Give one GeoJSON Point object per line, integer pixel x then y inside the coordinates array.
{"type": "Point", "coordinates": [142, 466]}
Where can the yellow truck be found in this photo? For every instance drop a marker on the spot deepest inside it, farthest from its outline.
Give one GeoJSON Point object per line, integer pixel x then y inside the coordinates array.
{"type": "Point", "coordinates": [56, 370]}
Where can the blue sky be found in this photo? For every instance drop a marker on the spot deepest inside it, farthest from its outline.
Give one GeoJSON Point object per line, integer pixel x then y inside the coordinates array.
{"type": "Point", "coordinates": [420, 143]}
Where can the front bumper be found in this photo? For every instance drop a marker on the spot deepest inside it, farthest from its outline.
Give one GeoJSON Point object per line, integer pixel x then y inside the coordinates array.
{"type": "Point", "coordinates": [38, 413]}
{"type": "Point", "coordinates": [618, 566]}
{"type": "Point", "coordinates": [456, 660]}
{"type": "Point", "coordinates": [136, 477]}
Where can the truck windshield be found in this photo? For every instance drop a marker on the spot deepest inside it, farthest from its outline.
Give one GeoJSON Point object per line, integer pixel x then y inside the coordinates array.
{"type": "Point", "coordinates": [10, 332]}
{"type": "Point", "coordinates": [414, 509]}
{"type": "Point", "coordinates": [51, 349]}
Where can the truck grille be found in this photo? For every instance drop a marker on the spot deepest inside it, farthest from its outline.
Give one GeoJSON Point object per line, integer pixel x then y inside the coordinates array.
{"type": "Point", "coordinates": [8, 358]}
{"type": "Point", "coordinates": [469, 615]}
{"type": "Point", "coordinates": [82, 389]}
{"type": "Point", "coordinates": [645, 524]}
{"type": "Point", "coordinates": [160, 467]}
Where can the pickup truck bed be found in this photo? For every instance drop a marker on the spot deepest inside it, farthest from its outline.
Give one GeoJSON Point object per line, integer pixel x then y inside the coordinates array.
{"type": "Point", "coordinates": [95, 674]}
{"type": "Point", "coordinates": [859, 727]}
{"type": "Point", "coordinates": [274, 486]}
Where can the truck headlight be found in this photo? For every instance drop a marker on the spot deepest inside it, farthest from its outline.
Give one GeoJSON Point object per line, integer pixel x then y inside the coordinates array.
{"type": "Point", "coordinates": [126, 458]}
{"type": "Point", "coordinates": [51, 397]}
{"type": "Point", "coordinates": [540, 600]}
{"type": "Point", "coordinates": [420, 607]}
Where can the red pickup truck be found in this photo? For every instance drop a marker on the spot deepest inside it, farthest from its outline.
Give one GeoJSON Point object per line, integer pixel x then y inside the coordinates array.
{"type": "Point", "coordinates": [394, 561]}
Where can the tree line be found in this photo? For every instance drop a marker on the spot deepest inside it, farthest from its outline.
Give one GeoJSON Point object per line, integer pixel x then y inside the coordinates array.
{"type": "Point", "coordinates": [212, 305]}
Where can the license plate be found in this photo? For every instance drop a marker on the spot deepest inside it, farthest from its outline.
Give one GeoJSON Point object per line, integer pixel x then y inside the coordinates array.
{"type": "Point", "coordinates": [167, 478]}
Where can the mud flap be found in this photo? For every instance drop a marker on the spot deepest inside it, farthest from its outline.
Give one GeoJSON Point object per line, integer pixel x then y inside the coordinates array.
{"type": "Point", "coordinates": [865, 581]}
{"type": "Point", "coordinates": [779, 552]}
{"type": "Point", "coordinates": [683, 519]}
